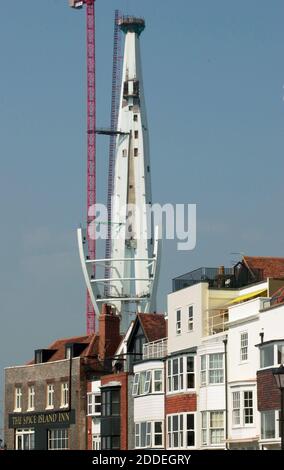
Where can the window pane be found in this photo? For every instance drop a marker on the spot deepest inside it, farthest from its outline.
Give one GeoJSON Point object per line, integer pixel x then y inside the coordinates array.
{"type": "Point", "coordinates": [158, 427]}
{"type": "Point", "coordinates": [190, 438]}
{"type": "Point", "coordinates": [190, 421]}
{"type": "Point", "coordinates": [268, 425]}
{"type": "Point", "coordinates": [190, 364]}
{"type": "Point", "coordinates": [175, 422]}
{"type": "Point", "coordinates": [280, 354]}
{"type": "Point", "coordinates": [143, 434]}
{"type": "Point", "coordinates": [175, 366]}
{"type": "Point", "coordinates": [267, 356]}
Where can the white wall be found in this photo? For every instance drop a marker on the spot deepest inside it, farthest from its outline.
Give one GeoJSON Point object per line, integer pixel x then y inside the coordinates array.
{"type": "Point", "coordinates": [211, 397]}
{"type": "Point", "coordinates": [149, 407]}
{"type": "Point", "coordinates": [197, 297]}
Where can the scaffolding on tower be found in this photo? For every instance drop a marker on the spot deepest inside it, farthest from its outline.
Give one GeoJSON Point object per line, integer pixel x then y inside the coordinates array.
{"type": "Point", "coordinates": [115, 96]}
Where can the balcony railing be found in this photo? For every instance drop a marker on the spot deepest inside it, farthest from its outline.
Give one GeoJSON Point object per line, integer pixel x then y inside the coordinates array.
{"type": "Point", "coordinates": [155, 349]}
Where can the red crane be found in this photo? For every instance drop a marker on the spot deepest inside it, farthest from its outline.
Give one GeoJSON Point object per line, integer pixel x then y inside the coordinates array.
{"type": "Point", "coordinates": [91, 139]}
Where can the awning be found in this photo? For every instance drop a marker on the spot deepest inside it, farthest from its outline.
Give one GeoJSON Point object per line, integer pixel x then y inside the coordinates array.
{"type": "Point", "coordinates": [251, 295]}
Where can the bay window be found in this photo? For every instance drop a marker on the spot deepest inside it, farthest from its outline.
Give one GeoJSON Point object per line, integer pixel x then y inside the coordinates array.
{"type": "Point", "coordinates": [181, 430]}
{"type": "Point", "coordinates": [212, 428]}
{"type": "Point", "coordinates": [242, 408]}
{"type": "Point", "coordinates": [147, 381]}
{"type": "Point", "coordinates": [148, 434]}
{"type": "Point", "coordinates": [181, 373]}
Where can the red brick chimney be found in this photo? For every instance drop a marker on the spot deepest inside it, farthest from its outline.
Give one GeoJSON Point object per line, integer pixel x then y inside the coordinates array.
{"type": "Point", "coordinates": [109, 335]}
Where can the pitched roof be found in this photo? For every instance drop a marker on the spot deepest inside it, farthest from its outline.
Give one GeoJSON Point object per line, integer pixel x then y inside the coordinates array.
{"type": "Point", "coordinates": [154, 325]}
{"type": "Point", "coordinates": [270, 267]}
{"type": "Point", "coordinates": [58, 346]}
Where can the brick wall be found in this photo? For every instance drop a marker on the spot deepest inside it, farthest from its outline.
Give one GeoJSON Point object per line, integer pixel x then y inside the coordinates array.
{"type": "Point", "coordinates": [40, 375]}
{"type": "Point", "coordinates": [268, 395]}
{"type": "Point", "coordinates": [180, 403]}
{"type": "Point", "coordinates": [122, 378]}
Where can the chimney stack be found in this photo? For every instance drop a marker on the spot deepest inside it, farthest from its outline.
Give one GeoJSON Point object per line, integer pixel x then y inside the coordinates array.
{"type": "Point", "coordinates": [109, 334]}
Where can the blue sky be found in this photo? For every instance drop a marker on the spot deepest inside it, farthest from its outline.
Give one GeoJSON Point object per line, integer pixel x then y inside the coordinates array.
{"type": "Point", "coordinates": [213, 76]}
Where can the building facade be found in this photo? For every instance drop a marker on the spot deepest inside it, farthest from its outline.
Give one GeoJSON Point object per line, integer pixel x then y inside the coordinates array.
{"type": "Point", "coordinates": [46, 401]}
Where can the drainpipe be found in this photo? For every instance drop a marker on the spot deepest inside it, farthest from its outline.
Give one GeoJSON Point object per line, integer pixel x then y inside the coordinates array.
{"type": "Point", "coordinates": [225, 341]}
{"type": "Point", "coordinates": [70, 382]}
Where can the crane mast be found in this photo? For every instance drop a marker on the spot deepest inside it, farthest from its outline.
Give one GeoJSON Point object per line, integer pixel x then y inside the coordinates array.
{"type": "Point", "coordinates": [91, 143]}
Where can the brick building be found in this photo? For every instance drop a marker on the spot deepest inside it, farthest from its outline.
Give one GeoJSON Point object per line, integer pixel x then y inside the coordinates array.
{"type": "Point", "coordinates": [46, 399]}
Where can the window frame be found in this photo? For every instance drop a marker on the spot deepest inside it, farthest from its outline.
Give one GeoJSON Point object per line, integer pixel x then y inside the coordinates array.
{"type": "Point", "coordinates": [277, 426]}
{"type": "Point", "coordinates": [244, 346]}
{"type": "Point", "coordinates": [275, 354]}
{"type": "Point", "coordinates": [207, 428]}
{"type": "Point", "coordinates": [20, 433]}
{"type": "Point", "coordinates": [190, 320]}
{"type": "Point", "coordinates": [108, 403]}
{"type": "Point", "coordinates": [242, 408]}
{"type": "Point", "coordinates": [219, 371]}
{"type": "Point", "coordinates": [31, 397]}
{"type": "Point", "coordinates": [94, 399]}
{"type": "Point", "coordinates": [178, 322]}
{"type": "Point", "coordinates": [64, 395]}
{"type": "Point", "coordinates": [50, 392]}
{"type": "Point", "coordinates": [236, 408]}
{"type": "Point", "coordinates": [18, 398]}
{"type": "Point", "coordinates": [181, 433]}
{"type": "Point", "coordinates": [180, 378]}
{"type": "Point", "coordinates": [247, 408]}
{"type": "Point", "coordinates": [150, 434]}
{"type": "Point", "coordinates": [59, 438]}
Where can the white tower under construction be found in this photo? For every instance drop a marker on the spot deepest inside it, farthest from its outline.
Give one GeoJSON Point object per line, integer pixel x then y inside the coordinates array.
{"type": "Point", "coordinates": [133, 265]}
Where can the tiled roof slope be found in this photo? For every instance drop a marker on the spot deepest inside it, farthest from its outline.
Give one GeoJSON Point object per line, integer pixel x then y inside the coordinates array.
{"type": "Point", "coordinates": [154, 325]}
{"type": "Point", "coordinates": [270, 267]}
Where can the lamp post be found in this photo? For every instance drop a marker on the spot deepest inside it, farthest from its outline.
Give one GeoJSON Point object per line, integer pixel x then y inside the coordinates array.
{"type": "Point", "coordinates": [279, 379]}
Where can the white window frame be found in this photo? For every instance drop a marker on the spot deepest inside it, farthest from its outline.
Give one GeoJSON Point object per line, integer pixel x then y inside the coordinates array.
{"type": "Point", "coordinates": [219, 371]}
{"type": "Point", "coordinates": [159, 381]}
{"type": "Point", "coordinates": [59, 435]}
{"type": "Point", "coordinates": [178, 321]}
{"type": "Point", "coordinates": [147, 383]}
{"type": "Point", "coordinates": [251, 407]}
{"type": "Point", "coordinates": [171, 433]}
{"type": "Point", "coordinates": [203, 370]}
{"type": "Point", "coordinates": [239, 408]}
{"type": "Point", "coordinates": [187, 372]}
{"type": "Point", "coordinates": [181, 432]}
{"type": "Point", "coordinates": [31, 398]}
{"type": "Point", "coordinates": [64, 400]}
{"type": "Point", "coordinates": [135, 386]}
{"type": "Point", "coordinates": [190, 318]}
{"type": "Point", "coordinates": [50, 389]}
{"type": "Point", "coordinates": [207, 429]}
{"type": "Point", "coordinates": [181, 374]}
{"type": "Point", "coordinates": [236, 409]}
{"type": "Point", "coordinates": [94, 399]}
{"type": "Point", "coordinates": [275, 345]}
{"type": "Point", "coordinates": [96, 442]}
{"type": "Point", "coordinates": [18, 399]}
{"type": "Point", "coordinates": [150, 434]}
{"type": "Point", "coordinates": [20, 436]}
{"type": "Point", "coordinates": [277, 424]}
{"type": "Point", "coordinates": [244, 346]}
